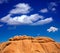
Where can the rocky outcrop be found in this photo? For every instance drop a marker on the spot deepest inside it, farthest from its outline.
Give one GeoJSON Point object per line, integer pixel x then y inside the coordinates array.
{"type": "Point", "coordinates": [28, 44]}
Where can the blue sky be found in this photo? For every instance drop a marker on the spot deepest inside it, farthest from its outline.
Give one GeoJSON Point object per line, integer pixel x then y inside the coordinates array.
{"type": "Point", "coordinates": [29, 17]}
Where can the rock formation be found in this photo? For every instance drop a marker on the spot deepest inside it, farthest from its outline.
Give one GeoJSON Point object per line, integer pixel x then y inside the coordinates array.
{"type": "Point", "coordinates": [28, 44]}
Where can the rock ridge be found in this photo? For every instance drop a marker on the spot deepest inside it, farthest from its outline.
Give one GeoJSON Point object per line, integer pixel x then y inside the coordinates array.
{"type": "Point", "coordinates": [28, 44]}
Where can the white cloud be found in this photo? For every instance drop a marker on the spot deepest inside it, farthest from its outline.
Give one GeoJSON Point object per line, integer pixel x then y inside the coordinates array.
{"type": "Point", "coordinates": [53, 9]}
{"type": "Point", "coordinates": [3, 1]}
{"type": "Point", "coordinates": [45, 10]}
{"type": "Point", "coordinates": [23, 19]}
{"type": "Point", "coordinates": [44, 21]}
{"type": "Point", "coordinates": [52, 29]}
{"type": "Point", "coordinates": [21, 8]}
{"type": "Point", "coordinates": [1, 25]}
{"type": "Point", "coordinates": [34, 19]}
{"type": "Point", "coordinates": [52, 6]}
{"type": "Point", "coordinates": [5, 18]}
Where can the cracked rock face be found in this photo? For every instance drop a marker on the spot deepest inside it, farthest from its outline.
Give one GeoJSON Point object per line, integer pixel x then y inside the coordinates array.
{"type": "Point", "coordinates": [28, 44]}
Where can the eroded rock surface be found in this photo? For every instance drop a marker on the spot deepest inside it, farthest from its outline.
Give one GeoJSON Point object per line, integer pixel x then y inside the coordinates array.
{"type": "Point", "coordinates": [28, 44]}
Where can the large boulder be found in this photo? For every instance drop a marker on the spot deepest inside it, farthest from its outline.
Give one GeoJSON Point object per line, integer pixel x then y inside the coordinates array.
{"type": "Point", "coordinates": [28, 44]}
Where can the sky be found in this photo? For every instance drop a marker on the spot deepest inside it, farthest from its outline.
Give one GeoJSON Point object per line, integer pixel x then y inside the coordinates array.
{"type": "Point", "coordinates": [29, 17]}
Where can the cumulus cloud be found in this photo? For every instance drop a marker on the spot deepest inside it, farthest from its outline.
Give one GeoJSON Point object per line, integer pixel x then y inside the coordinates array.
{"type": "Point", "coordinates": [52, 29]}
{"type": "Point", "coordinates": [45, 10]}
{"type": "Point", "coordinates": [34, 19]}
{"type": "Point", "coordinates": [21, 8]}
{"type": "Point", "coordinates": [23, 19]}
{"type": "Point", "coordinates": [3, 1]}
